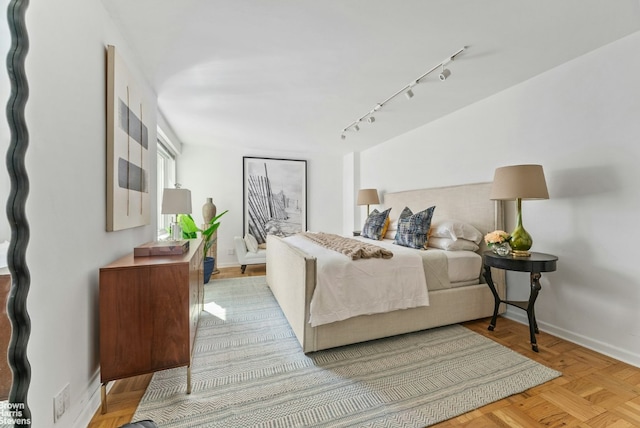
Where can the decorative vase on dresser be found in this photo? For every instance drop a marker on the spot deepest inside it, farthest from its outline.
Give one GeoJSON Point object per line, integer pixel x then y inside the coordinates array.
{"type": "Point", "coordinates": [209, 211]}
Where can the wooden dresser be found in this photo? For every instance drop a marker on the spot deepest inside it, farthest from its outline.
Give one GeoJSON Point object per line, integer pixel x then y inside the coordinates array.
{"type": "Point", "coordinates": [149, 310]}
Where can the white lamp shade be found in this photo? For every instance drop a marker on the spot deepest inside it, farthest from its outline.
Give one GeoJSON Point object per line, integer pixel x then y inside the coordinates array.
{"type": "Point", "coordinates": [176, 201]}
{"type": "Point", "coordinates": [519, 181]}
{"type": "Point", "coordinates": [368, 197]}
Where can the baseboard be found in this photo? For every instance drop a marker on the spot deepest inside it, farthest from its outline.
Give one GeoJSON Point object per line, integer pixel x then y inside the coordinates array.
{"type": "Point", "coordinates": [226, 265]}
{"type": "Point", "coordinates": [235, 265]}
{"type": "Point", "coordinates": [89, 403]}
{"type": "Point", "coordinates": [578, 339]}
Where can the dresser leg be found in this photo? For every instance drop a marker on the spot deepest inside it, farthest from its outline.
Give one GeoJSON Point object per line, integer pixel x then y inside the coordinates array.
{"type": "Point", "coordinates": [103, 397]}
{"type": "Point", "coordinates": [189, 379]}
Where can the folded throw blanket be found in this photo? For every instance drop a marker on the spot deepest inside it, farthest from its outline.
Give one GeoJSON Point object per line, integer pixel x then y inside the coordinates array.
{"type": "Point", "coordinates": [349, 247]}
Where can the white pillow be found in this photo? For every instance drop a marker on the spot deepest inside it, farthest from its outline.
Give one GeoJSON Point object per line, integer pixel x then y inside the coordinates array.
{"type": "Point", "coordinates": [391, 230]}
{"type": "Point", "coordinates": [454, 229]}
{"type": "Point", "coordinates": [251, 242]}
{"type": "Point", "coordinates": [451, 245]}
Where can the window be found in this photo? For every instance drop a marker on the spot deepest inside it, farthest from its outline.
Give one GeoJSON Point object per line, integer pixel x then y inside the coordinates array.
{"type": "Point", "coordinates": [166, 178]}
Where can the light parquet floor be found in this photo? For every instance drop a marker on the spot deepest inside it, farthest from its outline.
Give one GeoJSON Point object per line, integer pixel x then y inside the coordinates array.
{"type": "Point", "coordinates": [595, 391]}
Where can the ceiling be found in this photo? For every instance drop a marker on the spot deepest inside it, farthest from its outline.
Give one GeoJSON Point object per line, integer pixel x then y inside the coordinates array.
{"type": "Point", "coordinates": [290, 75]}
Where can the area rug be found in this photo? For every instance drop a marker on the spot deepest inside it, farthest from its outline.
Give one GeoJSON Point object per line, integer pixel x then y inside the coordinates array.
{"type": "Point", "coordinates": [249, 371]}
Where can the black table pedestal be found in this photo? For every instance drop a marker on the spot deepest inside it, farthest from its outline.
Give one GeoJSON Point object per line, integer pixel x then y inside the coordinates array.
{"type": "Point", "coordinates": [535, 264]}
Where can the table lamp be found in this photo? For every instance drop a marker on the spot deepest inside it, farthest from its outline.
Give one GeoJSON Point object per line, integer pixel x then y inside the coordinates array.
{"type": "Point", "coordinates": [518, 182]}
{"type": "Point", "coordinates": [368, 197]}
{"type": "Point", "coordinates": [176, 201]}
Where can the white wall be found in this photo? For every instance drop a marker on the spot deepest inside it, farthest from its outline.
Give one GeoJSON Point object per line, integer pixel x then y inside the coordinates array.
{"type": "Point", "coordinates": [217, 173]}
{"type": "Point", "coordinates": [350, 174]}
{"type": "Point", "coordinates": [66, 208]}
{"type": "Point", "coordinates": [581, 121]}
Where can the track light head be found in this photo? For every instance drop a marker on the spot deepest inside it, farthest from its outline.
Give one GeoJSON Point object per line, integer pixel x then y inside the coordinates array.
{"type": "Point", "coordinates": [409, 94]}
{"type": "Point", "coordinates": [444, 74]}
{"type": "Point", "coordinates": [356, 127]}
{"type": "Point", "coordinates": [371, 119]}
{"type": "Point", "coordinates": [343, 137]}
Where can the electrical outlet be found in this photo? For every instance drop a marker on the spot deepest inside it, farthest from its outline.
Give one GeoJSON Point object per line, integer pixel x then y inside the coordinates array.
{"type": "Point", "coordinates": [231, 252]}
{"type": "Point", "coordinates": [66, 397]}
{"type": "Point", "coordinates": [58, 406]}
{"type": "Point", "coordinates": [60, 403]}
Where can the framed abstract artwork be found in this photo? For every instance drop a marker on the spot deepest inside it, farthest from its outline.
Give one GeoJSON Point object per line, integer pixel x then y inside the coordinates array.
{"type": "Point", "coordinates": [128, 116]}
{"type": "Point", "coordinates": [275, 197]}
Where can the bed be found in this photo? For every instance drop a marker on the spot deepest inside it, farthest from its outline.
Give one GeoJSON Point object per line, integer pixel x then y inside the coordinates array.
{"type": "Point", "coordinates": [292, 275]}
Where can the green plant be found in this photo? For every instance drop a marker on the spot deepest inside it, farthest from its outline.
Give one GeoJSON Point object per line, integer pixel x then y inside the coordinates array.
{"type": "Point", "coordinates": [190, 230]}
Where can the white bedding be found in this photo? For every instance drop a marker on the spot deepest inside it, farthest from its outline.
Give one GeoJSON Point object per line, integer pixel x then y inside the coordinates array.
{"type": "Point", "coordinates": [447, 269]}
{"type": "Point", "coordinates": [464, 266]}
{"type": "Point", "coordinates": [347, 288]}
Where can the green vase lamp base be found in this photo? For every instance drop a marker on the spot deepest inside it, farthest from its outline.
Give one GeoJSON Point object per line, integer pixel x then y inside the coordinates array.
{"type": "Point", "coordinates": [520, 239]}
{"type": "Point", "coordinates": [520, 253]}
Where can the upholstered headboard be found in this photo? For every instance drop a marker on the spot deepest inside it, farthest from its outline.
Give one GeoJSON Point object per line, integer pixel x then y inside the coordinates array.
{"type": "Point", "coordinates": [469, 203]}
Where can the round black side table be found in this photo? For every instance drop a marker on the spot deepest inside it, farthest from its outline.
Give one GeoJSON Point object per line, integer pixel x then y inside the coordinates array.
{"type": "Point", "coordinates": [535, 264]}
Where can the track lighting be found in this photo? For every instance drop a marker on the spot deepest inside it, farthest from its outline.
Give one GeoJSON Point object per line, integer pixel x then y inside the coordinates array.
{"type": "Point", "coordinates": [407, 90]}
{"type": "Point", "coordinates": [444, 74]}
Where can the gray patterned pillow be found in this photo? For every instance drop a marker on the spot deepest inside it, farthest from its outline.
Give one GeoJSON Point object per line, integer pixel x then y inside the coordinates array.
{"type": "Point", "coordinates": [413, 229]}
{"type": "Point", "coordinates": [374, 227]}
{"type": "Point", "coordinates": [406, 212]}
